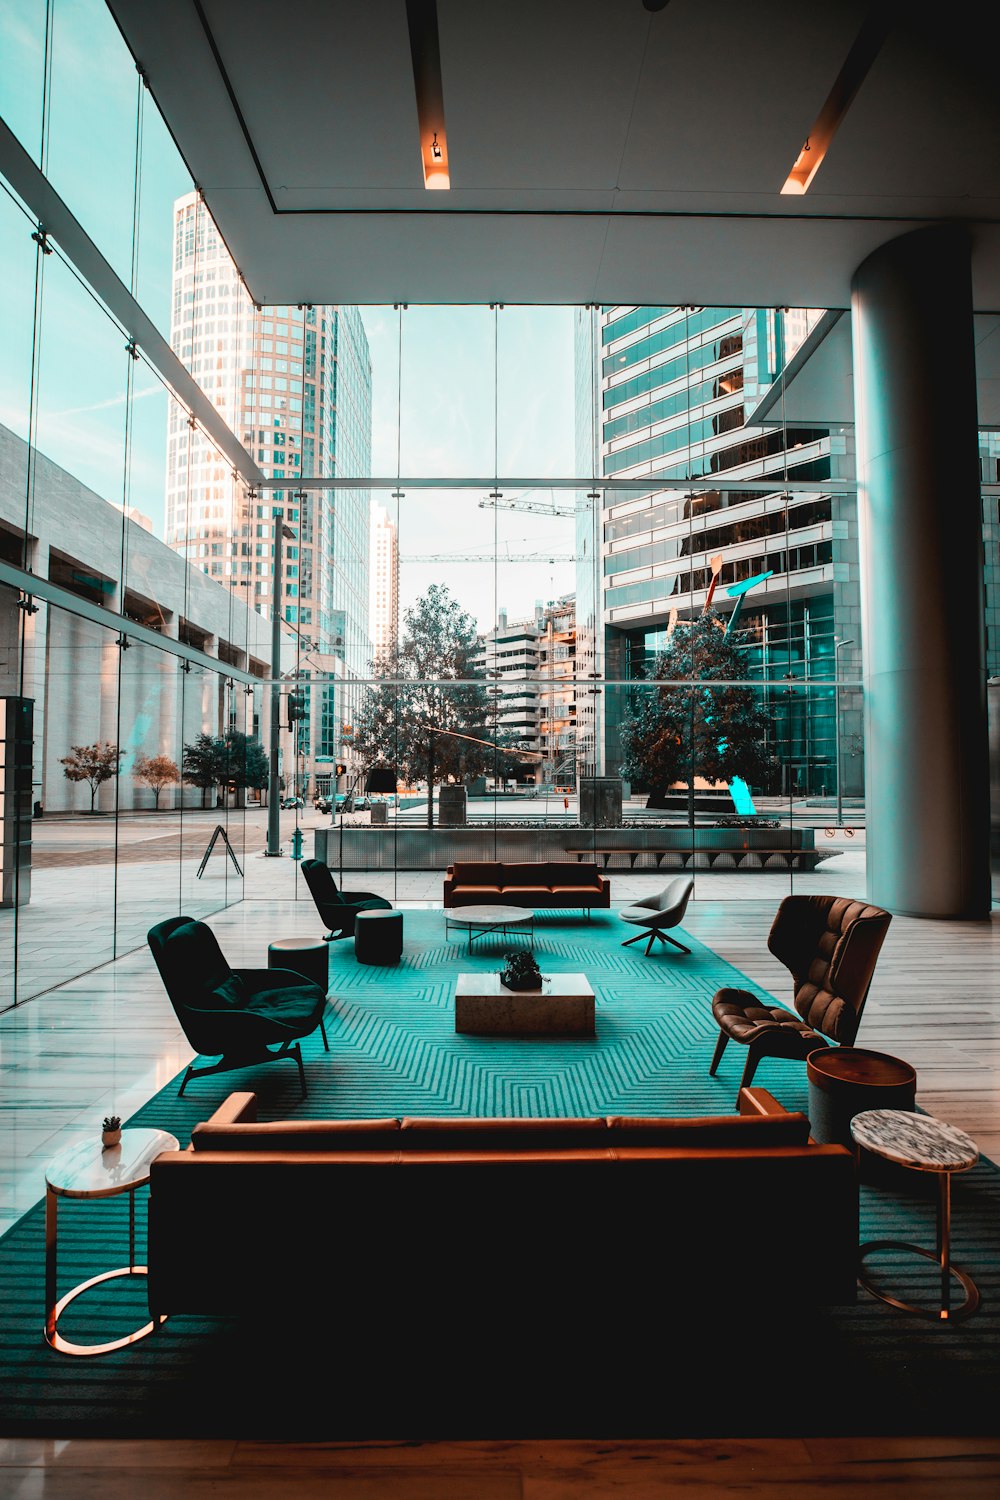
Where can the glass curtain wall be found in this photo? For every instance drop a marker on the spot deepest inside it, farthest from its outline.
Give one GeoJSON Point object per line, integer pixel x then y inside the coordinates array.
{"type": "Point", "coordinates": [129, 679]}
{"type": "Point", "coordinates": [620, 619]}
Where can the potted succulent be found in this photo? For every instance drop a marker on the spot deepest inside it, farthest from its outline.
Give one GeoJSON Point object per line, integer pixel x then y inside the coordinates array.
{"type": "Point", "coordinates": [521, 972]}
{"type": "Point", "coordinates": [111, 1131]}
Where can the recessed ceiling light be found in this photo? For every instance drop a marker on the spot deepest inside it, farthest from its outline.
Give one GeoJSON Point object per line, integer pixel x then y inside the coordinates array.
{"type": "Point", "coordinates": [850, 78]}
{"type": "Point", "coordinates": [425, 55]}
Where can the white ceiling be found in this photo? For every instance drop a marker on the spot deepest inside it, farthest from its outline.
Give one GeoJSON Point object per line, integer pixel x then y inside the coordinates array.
{"type": "Point", "coordinates": [598, 152]}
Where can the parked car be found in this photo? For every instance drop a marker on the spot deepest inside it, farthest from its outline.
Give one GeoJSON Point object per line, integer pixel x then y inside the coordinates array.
{"type": "Point", "coordinates": [291, 802]}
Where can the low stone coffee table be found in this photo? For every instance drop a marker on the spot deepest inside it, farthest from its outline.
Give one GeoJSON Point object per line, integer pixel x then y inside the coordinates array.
{"type": "Point", "coordinates": [564, 1006]}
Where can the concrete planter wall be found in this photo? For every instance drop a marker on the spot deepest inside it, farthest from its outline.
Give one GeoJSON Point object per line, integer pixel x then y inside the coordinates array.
{"type": "Point", "coordinates": [366, 848]}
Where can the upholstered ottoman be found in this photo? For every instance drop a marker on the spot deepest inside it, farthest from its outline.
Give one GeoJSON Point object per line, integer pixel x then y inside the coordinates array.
{"type": "Point", "coordinates": [303, 956]}
{"type": "Point", "coordinates": [378, 937]}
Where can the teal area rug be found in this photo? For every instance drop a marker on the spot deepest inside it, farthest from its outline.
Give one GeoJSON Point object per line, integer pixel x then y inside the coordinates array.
{"type": "Point", "coordinates": [652, 1361]}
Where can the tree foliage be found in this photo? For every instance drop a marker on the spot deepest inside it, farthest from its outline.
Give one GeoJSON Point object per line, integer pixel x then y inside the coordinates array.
{"type": "Point", "coordinates": [403, 720]}
{"type": "Point", "coordinates": [223, 761]}
{"type": "Point", "coordinates": [94, 764]}
{"type": "Point", "coordinates": [243, 760]}
{"type": "Point", "coordinates": [200, 764]}
{"type": "Point", "coordinates": [700, 721]}
{"type": "Point", "coordinates": [156, 772]}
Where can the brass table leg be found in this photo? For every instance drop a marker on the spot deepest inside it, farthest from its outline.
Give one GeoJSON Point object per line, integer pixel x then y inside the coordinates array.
{"type": "Point", "coordinates": [54, 1307]}
{"type": "Point", "coordinates": [941, 1255]}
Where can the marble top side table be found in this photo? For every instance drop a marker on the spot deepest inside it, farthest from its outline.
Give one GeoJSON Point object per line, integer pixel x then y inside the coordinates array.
{"type": "Point", "coordinates": [925, 1145]}
{"type": "Point", "coordinates": [88, 1171]}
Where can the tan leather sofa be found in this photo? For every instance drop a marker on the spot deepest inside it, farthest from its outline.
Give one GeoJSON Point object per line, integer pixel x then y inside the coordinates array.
{"type": "Point", "coordinates": [513, 1223]}
{"type": "Point", "coordinates": [568, 884]}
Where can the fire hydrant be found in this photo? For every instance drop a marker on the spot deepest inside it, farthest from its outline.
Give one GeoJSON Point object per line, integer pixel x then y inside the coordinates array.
{"type": "Point", "coordinates": [297, 843]}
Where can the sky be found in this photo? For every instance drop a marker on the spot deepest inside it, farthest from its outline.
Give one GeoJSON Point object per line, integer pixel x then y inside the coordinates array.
{"type": "Point", "coordinates": [470, 392]}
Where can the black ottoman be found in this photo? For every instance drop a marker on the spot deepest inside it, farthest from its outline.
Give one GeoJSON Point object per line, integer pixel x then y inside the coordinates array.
{"type": "Point", "coordinates": [378, 937]}
{"type": "Point", "coordinates": [303, 956]}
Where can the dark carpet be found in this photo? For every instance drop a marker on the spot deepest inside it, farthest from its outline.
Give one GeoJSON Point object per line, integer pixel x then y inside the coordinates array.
{"type": "Point", "coordinates": [693, 1360]}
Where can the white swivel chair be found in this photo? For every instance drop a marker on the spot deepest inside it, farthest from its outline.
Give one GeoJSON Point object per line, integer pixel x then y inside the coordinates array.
{"type": "Point", "coordinates": [655, 913]}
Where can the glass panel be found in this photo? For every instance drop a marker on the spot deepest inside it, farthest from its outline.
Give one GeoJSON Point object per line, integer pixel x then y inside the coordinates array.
{"type": "Point", "coordinates": [22, 77]}
{"type": "Point", "coordinates": [535, 401]}
{"type": "Point", "coordinates": [150, 793]}
{"type": "Point", "coordinates": [17, 309]}
{"type": "Point", "coordinates": [92, 133]}
{"type": "Point", "coordinates": [164, 180]}
{"type": "Point", "coordinates": [448, 391]}
{"type": "Point", "coordinates": [202, 698]}
{"type": "Point", "coordinates": [81, 390]}
{"type": "Point", "coordinates": [68, 927]}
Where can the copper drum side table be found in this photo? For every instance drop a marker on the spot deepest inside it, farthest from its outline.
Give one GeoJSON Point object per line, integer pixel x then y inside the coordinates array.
{"type": "Point", "coordinates": [88, 1171]}
{"type": "Point", "coordinates": [843, 1081]}
{"type": "Point", "coordinates": [925, 1145]}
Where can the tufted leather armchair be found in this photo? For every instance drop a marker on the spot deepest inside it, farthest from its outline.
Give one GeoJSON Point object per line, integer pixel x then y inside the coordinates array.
{"type": "Point", "coordinates": [829, 945]}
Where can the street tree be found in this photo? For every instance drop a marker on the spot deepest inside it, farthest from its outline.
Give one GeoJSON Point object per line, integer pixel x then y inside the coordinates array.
{"type": "Point", "coordinates": [94, 764]}
{"type": "Point", "coordinates": [242, 761]}
{"type": "Point", "coordinates": [156, 772]}
{"type": "Point", "coordinates": [430, 715]}
{"type": "Point", "coordinates": [201, 765]}
{"type": "Point", "coordinates": [696, 718]}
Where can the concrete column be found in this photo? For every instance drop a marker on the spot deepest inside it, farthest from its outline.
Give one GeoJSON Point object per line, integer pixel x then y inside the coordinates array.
{"type": "Point", "coordinates": [920, 532]}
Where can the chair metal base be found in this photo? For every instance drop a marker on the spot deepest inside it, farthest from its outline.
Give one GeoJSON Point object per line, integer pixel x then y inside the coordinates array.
{"type": "Point", "coordinates": [655, 933]}
{"type": "Point", "coordinates": [229, 1065]}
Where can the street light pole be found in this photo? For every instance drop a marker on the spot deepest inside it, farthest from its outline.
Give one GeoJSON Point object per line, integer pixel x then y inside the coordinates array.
{"type": "Point", "coordinates": [281, 531]}
{"type": "Point", "coordinates": [837, 644]}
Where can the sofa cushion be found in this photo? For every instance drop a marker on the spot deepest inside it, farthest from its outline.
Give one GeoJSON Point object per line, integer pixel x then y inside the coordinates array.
{"type": "Point", "coordinates": [477, 872]}
{"type": "Point", "coordinates": [713, 1131]}
{"type": "Point", "coordinates": [524, 894]}
{"type": "Point", "coordinates": [530, 873]}
{"type": "Point", "coordinates": [443, 1134]}
{"type": "Point", "coordinates": [572, 873]}
{"type": "Point", "coordinates": [297, 1135]}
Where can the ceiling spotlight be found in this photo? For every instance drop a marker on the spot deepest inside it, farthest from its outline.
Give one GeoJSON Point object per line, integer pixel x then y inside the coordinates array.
{"type": "Point", "coordinates": [852, 75]}
{"type": "Point", "coordinates": [435, 155]}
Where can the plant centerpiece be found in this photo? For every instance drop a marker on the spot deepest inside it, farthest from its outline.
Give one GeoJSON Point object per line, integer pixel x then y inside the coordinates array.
{"type": "Point", "coordinates": [521, 972]}
{"type": "Point", "coordinates": [111, 1131]}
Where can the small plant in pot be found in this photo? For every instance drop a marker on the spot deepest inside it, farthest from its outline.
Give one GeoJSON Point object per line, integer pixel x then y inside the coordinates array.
{"type": "Point", "coordinates": [111, 1131]}
{"type": "Point", "coordinates": [520, 972]}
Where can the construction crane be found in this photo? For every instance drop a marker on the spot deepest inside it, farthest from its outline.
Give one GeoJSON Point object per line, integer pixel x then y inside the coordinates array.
{"type": "Point", "coordinates": [496, 501]}
{"type": "Point", "coordinates": [456, 557]}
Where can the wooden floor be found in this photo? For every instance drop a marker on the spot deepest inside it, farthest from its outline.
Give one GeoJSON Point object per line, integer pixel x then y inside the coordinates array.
{"type": "Point", "coordinates": [936, 1003]}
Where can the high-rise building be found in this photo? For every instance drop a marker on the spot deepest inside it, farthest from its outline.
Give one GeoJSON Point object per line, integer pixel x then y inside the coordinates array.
{"type": "Point", "coordinates": [384, 583]}
{"type": "Point", "coordinates": [531, 666]}
{"type": "Point", "coordinates": [295, 384]}
{"type": "Point", "coordinates": [676, 389]}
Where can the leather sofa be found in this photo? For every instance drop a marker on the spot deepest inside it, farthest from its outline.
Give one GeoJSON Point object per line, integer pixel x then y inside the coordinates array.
{"type": "Point", "coordinates": [568, 884]}
{"type": "Point", "coordinates": [406, 1229]}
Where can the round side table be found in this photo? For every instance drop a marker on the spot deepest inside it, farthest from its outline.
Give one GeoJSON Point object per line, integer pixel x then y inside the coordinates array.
{"type": "Point", "coordinates": [926, 1145]}
{"type": "Point", "coordinates": [88, 1171]}
{"type": "Point", "coordinates": [306, 957]}
{"type": "Point", "coordinates": [378, 937]}
{"type": "Point", "coordinates": [303, 956]}
{"type": "Point", "coordinates": [843, 1081]}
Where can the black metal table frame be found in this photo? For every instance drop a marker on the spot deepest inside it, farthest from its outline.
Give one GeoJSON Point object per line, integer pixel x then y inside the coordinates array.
{"type": "Point", "coordinates": [526, 924]}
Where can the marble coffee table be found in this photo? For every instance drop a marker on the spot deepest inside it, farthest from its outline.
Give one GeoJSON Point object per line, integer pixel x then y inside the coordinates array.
{"type": "Point", "coordinates": [564, 1006]}
{"type": "Point", "coordinates": [925, 1145]}
{"type": "Point", "coordinates": [478, 921]}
